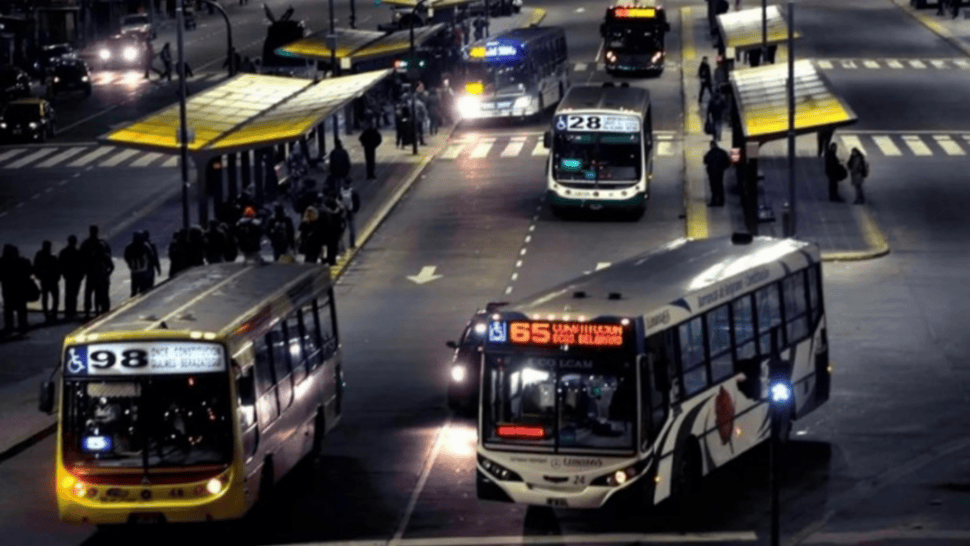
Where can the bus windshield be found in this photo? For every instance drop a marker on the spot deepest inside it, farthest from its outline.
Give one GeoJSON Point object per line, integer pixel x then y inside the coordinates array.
{"type": "Point", "coordinates": [499, 77]}
{"type": "Point", "coordinates": [600, 157]}
{"type": "Point", "coordinates": [537, 402]}
{"type": "Point", "coordinates": [633, 40]}
{"type": "Point", "coordinates": [147, 421]}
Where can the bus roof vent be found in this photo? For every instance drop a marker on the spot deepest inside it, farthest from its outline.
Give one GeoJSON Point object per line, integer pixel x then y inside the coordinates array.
{"type": "Point", "coordinates": [579, 294]}
{"type": "Point", "coordinates": [614, 296]}
{"type": "Point", "coordinates": [741, 238]}
{"type": "Point", "coordinates": [609, 84]}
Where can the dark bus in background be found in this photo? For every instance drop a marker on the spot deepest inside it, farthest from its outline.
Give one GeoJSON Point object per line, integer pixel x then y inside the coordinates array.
{"type": "Point", "coordinates": [634, 38]}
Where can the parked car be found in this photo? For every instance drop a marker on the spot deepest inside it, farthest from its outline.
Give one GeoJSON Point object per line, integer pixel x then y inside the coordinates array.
{"type": "Point", "coordinates": [50, 55]}
{"type": "Point", "coordinates": [138, 23]}
{"type": "Point", "coordinates": [65, 77]}
{"type": "Point", "coordinates": [14, 83]}
{"type": "Point", "coordinates": [27, 120]}
{"type": "Point", "coordinates": [123, 51]}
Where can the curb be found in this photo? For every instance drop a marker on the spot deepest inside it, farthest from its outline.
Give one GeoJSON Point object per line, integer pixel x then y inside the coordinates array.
{"type": "Point", "coordinates": [538, 14]}
{"type": "Point", "coordinates": [935, 27]}
{"type": "Point", "coordinates": [873, 235]}
{"type": "Point", "coordinates": [696, 220]}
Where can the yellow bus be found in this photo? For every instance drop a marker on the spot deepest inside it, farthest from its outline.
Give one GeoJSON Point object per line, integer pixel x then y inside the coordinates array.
{"type": "Point", "coordinates": [189, 402]}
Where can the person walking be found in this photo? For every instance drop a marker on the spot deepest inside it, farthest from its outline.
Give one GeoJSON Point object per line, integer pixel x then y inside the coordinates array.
{"type": "Point", "coordinates": [434, 111]}
{"type": "Point", "coordinates": [98, 267]}
{"type": "Point", "coordinates": [715, 114]}
{"type": "Point", "coordinates": [165, 55]}
{"type": "Point", "coordinates": [704, 74]}
{"type": "Point", "coordinates": [350, 201]}
{"type": "Point", "coordinates": [858, 171]}
{"type": "Point", "coordinates": [249, 233]}
{"type": "Point", "coordinates": [717, 162]}
{"type": "Point", "coordinates": [339, 165]}
{"type": "Point", "coordinates": [138, 256]}
{"type": "Point", "coordinates": [834, 171]}
{"type": "Point", "coordinates": [370, 138]}
{"type": "Point", "coordinates": [72, 268]}
{"type": "Point", "coordinates": [311, 235]}
{"type": "Point", "coordinates": [47, 269]}
{"type": "Point", "coordinates": [421, 113]}
{"type": "Point", "coordinates": [15, 278]}
{"type": "Point", "coordinates": [281, 232]}
{"type": "Point", "coordinates": [399, 117]}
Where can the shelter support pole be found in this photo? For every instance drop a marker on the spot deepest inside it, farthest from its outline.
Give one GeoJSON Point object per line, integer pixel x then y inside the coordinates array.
{"type": "Point", "coordinates": [791, 120]}
{"type": "Point", "coordinates": [247, 171]}
{"type": "Point", "coordinates": [322, 141]}
{"type": "Point", "coordinates": [231, 52]}
{"type": "Point", "coordinates": [216, 186]}
{"type": "Point", "coordinates": [201, 191]}
{"type": "Point", "coordinates": [232, 176]}
{"type": "Point", "coordinates": [259, 172]}
{"type": "Point", "coordinates": [183, 123]}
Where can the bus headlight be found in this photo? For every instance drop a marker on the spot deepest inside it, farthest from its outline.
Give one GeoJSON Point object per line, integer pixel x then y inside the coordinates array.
{"type": "Point", "coordinates": [104, 54]}
{"type": "Point", "coordinates": [129, 53]}
{"type": "Point", "coordinates": [498, 470]}
{"type": "Point", "coordinates": [213, 486]}
{"type": "Point", "coordinates": [657, 57]}
{"type": "Point", "coordinates": [458, 374]}
{"type": "Point", "coordinates": [522, 102]}
{"type": "Point", "coordinates": [610, 56]}
{"type": "Point", "coordinates": [468, 106]}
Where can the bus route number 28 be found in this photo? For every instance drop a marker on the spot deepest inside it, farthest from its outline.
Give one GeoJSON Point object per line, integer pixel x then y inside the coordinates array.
{"type": "Point", "coordinates": [579, 123]}
{"type": "Point", "coordinates": [131, 358]}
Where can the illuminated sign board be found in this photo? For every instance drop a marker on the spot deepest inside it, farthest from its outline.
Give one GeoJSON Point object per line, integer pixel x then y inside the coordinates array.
{"type": "Point", "coordinates": [500, 50]}
{"type": "Point", "coordinates": [143, 358]}
{"type": "Point", "coordinates": [548, 333]}
{"type": "Point", "coordinates": [635, 13]}
{"type": "Point", "coordinates": [596, 122]}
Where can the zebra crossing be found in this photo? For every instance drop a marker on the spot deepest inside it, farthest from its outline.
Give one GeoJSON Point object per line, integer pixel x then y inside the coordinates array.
{"type": "Point", "coordinates": [81, 156]}
{"type": "Point", "coordinates": [523, 145]}
{"type": "Point", "coordinates": [106, 78]}
{"type": "Point", "coordinates": [893, 64]}
{"type": "Point", "coordinates": [905, 145]}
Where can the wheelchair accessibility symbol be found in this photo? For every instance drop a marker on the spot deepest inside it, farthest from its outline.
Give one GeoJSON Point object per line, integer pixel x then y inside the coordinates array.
{"type": "Point", "coordinates": [76, 361]}
{"type": "Point", "coordinates": [497, 332]}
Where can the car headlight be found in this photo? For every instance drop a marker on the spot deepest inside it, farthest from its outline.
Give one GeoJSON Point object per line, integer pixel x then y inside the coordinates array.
{"type": "Point", "coordinates": [104, 54]}
{"type": "Point", "coordinates": [84, 78]}
{"type": "Point", "coordinates": [33, 124]}
{"type": "Point", "coordinates": [468, 106]}
{"type": "Point", "coordinates": [57, 80]}
{"type": "Point", "coordinates": [129, 53]}
{"type": "Point", "coordinates": [610, 56]}
{"type": "Point", "coordinates": [658, 56]}
{"type": "Point", "coordinates": [522, 102]}
{"type": "Point", "coordinates": [458, 374]}
{"type": "Point", "coordinates": [3, 125]}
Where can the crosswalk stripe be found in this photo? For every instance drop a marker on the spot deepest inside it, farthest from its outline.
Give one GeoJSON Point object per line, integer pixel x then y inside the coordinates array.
{"type": "Point", "coordinates": [665, 148]}
{"type": "Point", "coordinates": [893, 63]}
{"type": "Point", "coordinates": [949, 145]}
{"type": "Point", "coordinates": [10, 153]}
{"type": "Point", "coordinates": [870, 64]}
{"type": "Point", "coordinates": [514, 147]}
{"type": "Point", "coordinates": [938, 63]}
{"type": "Point", "coordinates": [89, 157]}
{"type": "Point", "coordinates": [886, 145]}
{"type": "Point", "coordinates": [481, 150]}
{"type": "Point", "coordinates": [824, 64]}
{"type": "Point", "coordinates": [917, 64]}
{"type": "Point", "coordinates": [848, 64]}
{"type": "Point", "coordinates": [114, 160]}
{"type": "Point", "coordinates": [580, 67]}
{"type": "Point", "coordinates": [917, 145]}
{"type": "Point", "coordinates": [962, 63]}
{"type": "Point", "coordinates": [540, 149]}
{"type": "Point", "coordinates": [144, 160]}
{"type": "Point", "coordinates": [30, 158]}
{"type": "Point", "coordinates": [452, 151]}
{"type": "Point", "coordinates": [52, 161]}
{"type": "Point", "coordinates": [852, 141]}
{"type": "Point", "coordinates": [172, 161]}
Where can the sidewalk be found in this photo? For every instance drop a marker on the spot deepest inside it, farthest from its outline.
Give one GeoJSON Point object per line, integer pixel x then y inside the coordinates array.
{"type": "Point", "coordinates": [955, 31]}
{"type": "Point", "coordinates": [843, 231]}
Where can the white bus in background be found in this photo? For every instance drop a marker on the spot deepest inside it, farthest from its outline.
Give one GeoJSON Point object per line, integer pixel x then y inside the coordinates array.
{"type": "Point", "coordinates": [601, 150]}
{"type": "Point", "coordinates": [517, 73]}
{"type": "Point", "coordinates": [637, 380]}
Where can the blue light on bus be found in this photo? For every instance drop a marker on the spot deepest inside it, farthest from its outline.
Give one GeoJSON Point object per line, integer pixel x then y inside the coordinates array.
{"type": "Point", "coordinates": [571, 164]}
{"type": "Point", "coordinates": [590, 175]}
{"type": "Point", "coordinates": [501, 50]}
{"type": "Point", "coordinates": [97, 443]}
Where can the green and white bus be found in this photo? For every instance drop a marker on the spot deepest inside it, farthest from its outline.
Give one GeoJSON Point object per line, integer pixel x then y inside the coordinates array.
{"type": "Point", "coordinates": [639, 379]}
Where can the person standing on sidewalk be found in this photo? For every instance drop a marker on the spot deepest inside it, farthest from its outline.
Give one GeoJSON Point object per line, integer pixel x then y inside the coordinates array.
{"type": "Point", "coordinates": [704, 74]}
{"type": "Point", "coordinates": [14, 278]}
{"type": "Point", "coordinates": [334, 221]}
{"type": "Point", "coordinates": [72, 267]}
{"type": "Point", "coordinates": [249, 232]}
{"type": "Point", "coordinates": [339, 166]}
{"type": "Point", "coordinates": [370, 139]}
{"type": "Point", "coordinates": [717, 162]}
{"type": "Point", "coordinates": [858, 170]}
{"type": "Point", "coordinates": [281, 232]}
{"type": "Point", "coordinates": [156, 264]}
{"type": "Point", "coordinates": [715, 114]}
{"type": "Point", "coordinates": [835, 172]}
{"type": "Point", "coordinates": [215, 242]}
{"type": "Point", "coordinates": [351, 203]}
{"type": "Point", "coordinates": [311, 235]}
{"type": "Point", "coordinates": [48, 272]}
{"type": "Point", "coordinates": [138, 256]}
{"type": "Point", "coordinates": [98, 267]}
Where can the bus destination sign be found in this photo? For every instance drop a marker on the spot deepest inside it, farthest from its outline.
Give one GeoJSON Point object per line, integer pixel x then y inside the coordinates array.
{"type": "Point", "coordinates": [147, 357]}
{"type": "Point", "coordinates": [598, 123]}
{"type": "Point", "coordinates": [547, 333]}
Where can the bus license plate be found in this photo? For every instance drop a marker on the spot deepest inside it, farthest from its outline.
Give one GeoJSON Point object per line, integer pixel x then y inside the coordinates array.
{"type": "Point", "coordinates": [556, 502]}
{"type": "Point", "coordinates": [582, 193]}
{"type": "Point", "coordinates": [146, 518]}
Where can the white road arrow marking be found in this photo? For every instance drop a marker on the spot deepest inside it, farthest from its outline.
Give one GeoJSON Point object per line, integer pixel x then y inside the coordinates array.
{"type": "Point", "coordinates": [426, 275]}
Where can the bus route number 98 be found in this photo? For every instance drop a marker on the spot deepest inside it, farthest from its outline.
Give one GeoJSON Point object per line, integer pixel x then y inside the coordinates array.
{"type": "Point", "coordinates": [131, 358]}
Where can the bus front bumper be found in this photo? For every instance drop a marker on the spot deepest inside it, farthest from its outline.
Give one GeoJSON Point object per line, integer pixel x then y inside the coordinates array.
{"type": "Point", "coordinates": [597, 199]}
{"type": "Point", "coordinates": [590, 497]}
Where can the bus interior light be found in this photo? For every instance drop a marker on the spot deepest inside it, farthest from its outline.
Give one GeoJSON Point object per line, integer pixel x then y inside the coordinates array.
{"type": "Point", "coordinates": [524, 432]}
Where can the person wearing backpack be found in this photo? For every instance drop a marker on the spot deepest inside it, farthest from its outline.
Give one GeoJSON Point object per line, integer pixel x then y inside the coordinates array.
{"type": "Point", "coordinates": [351, 204]}
{"type": "Point", "coordinates": [858, 170]}
{"type": "Point", "coordinates": [281, 232]}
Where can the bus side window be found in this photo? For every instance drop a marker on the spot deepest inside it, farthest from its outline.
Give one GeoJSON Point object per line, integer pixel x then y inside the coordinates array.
{"type": "Point", "coordinates": [267, 408]}
{"type": "Point", "coordinates": [294, 333]}
{"type": "Point", "coordinates": [743, 328]}
{"type": "Point", "coordinates": [654, 386]}
{"type": "Point", "coordinates": [246, 389]}
{"type": "Point", "coordinates": [328, 335]}
{"type": "Point", "coordinates": [814, 301]}
{"type": "Point", "coordinates": [692, 363]}
{"type": "Point", "coordinates": [311, 337]}
{"type": "Point", "coordinates": [281, 364]}
{"type": "Point", "coordinates": [719, 342]}
{"type": "Point", "coordinates": [796, 308]}
{"type": "Point", "coordinates": [768, 306]}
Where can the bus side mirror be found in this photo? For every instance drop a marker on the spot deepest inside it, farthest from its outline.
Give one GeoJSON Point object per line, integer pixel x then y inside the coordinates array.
{"type": "Point", "coordinates": [46, 401]}
{"type": "Point", "coordinates": [750, 385]}
{"type": "Point", "coordinates": [547, 140]}
{"type": "Point", "coordinates": [451, 344]}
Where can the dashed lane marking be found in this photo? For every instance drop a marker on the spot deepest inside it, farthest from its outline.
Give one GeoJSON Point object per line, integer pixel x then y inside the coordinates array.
{"type": "Point", "coordinates": [452, 151]}
{"type": "Point", "coordinates": [852, 141]}
{"type": "Point", "coordinates": [938, 63]}
{"type": "Point", "coordinates": [893, 63]}
{"type": "Point", "coordinates": [824, 64]}
{"type": "Point", "coordinates": [868, 63]}
{"type": "Point", "coordinates": [10, 153]}
{"type": "Point", "coordinates": [539, 150]}
{"type": "Point", "coordinates": [665, 148]}
{"type": "Point", "coordinates": [916, 64]}
{"type": "Point", "coordinates": [146, 159]}
{"type": "Point", "coordinates": [849, 64]}
{"type": "Point", "coordinates": [172, 161]}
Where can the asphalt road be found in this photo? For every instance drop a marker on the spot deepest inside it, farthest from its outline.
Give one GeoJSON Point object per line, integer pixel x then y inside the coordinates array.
{"type": "Point", "coordinates": [400, 467]}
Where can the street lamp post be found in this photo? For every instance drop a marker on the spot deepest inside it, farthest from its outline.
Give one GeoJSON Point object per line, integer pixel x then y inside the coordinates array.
{"type": "Point", "coordinates": [232, 55]}
{"type": "Point", "coordinates": [764, 30]}
{"type": "Point", "coordinates": [334, 69]}
{"type": "Point", "coordinates": [183, 124]}
{"type": "Point", "coordinates": [779, 398]}
{"type": "Point", "coordinates": [413, 76]}
{"type": "Point", "coordinates": [790, 228]}
{"type": "Point", "coordinates": [353, 14]}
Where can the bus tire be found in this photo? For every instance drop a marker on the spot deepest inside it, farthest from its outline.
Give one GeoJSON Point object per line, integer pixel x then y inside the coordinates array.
{"type": "Point", "coordinates": [319, 432]}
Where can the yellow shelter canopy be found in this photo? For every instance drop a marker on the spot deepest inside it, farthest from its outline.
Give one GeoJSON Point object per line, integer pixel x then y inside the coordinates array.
{"type": "Point", "coordinates": [742, 29]}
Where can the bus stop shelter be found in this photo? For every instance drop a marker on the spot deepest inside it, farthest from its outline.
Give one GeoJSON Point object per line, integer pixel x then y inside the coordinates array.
{"type": "Point", "coordinates": [359, 49]}
{"type": "Point", "coordinates": [248, 113]}
{"type": "Point", "coordinates": [742, 30]}
{"type": "Point", "coordinates": [760, 112]}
